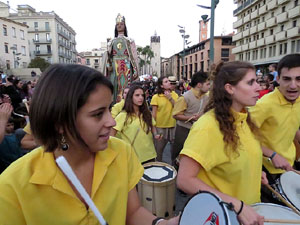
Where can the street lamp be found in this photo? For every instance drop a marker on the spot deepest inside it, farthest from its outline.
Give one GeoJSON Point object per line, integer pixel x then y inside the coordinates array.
{"type": "Point", "coordinates": [212, 8]}
{"type": "Point", "coordinates": [185, 42]}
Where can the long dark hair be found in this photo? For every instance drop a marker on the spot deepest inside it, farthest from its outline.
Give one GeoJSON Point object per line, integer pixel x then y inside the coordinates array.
{"type": "Point", "coordinates": [160, 80]}
{"type": "Point", "coordinates": [221, 101]}
{"type": "Point", "coordinates": [117, 33]}
{"type": "Point", "coordinates": [144, 111]}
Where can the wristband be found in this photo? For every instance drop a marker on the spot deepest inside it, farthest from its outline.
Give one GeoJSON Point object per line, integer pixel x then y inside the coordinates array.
{"type": "Point", "coordinates": [157, 220]}
{"type": "Point", "coordinates": [241, 209]}
{"type": "Point", "coordinates": [272, 156]}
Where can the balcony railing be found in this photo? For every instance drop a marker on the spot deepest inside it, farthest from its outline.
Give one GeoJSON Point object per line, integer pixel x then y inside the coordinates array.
{"type": "Point", "coordinates": [45, 41]}
{"type": "Point", "coordinates": [39, 29]}
{"type": "Point", "coordinates": [37, 53]}
{"type": "Point", "coordinates": [243, 6]}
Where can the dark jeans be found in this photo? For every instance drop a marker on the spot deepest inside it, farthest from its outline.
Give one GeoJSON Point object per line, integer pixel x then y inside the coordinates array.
{"type": "Point", "coordinates": [181, 134]}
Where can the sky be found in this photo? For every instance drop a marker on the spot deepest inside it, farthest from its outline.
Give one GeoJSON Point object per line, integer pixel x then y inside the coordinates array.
{"type": "Point", "coordinates": [94, 20]}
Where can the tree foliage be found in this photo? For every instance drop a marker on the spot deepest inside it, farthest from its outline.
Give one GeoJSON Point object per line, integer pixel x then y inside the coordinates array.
{"type": "Point", "coordinates": [39, 62]}
{"type": "Point", "coordinates": [147, 54]}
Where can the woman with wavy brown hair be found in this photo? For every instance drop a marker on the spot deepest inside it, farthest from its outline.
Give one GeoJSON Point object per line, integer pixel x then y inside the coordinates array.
{"type": "Point", "coordinates": [222, 154]}
{"type": "Point", "coordinates": [135, 124]}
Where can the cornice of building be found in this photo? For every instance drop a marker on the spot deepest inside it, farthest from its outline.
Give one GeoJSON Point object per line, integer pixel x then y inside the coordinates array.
{"type": "Point", "coordinates": [12, 21]}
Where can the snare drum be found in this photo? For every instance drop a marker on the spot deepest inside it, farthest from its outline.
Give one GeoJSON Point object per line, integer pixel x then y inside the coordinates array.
{"type": "Point", "coordinates": [207, 208]}
{"type": "Point", "coordinates": [289, 187]}
{"type": "Point", "coordinates": [157, 189]}
{"type": "Point", "coordinates": [273, 211]}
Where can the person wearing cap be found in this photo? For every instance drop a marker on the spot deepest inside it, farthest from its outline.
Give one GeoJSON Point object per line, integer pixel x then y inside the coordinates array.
{"type": "Point", "coordinates": [120, 60]}
{"type": "Point", "coordinates": [174, 84]}
{"type": "Point", "coordinates": [188, 108]}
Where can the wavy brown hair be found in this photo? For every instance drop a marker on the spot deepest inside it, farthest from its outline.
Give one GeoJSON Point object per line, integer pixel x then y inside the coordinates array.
{"type": "Point", "coordinates": [144, 111]}
{"type": "Point", "coordinates": [220, 100]}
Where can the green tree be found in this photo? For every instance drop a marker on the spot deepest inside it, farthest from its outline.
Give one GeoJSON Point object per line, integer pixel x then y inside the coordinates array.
{"type": "Point", "coordinates": [147, 54]}
{"type": "Point", "coordinates": [39, 62]}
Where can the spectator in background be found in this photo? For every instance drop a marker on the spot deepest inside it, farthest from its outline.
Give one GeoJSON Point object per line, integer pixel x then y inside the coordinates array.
{"type": "Point", "coordinates": [264, 88]}
{"type": "Point", "coordinates": [174, 84]}
{"type": "Point", "coordinates": [11, 90]}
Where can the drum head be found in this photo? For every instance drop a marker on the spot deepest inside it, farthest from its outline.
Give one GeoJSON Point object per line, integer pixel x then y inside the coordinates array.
{"type": "Point", "coordinates": [290, 184]}
{"type": "Point", "coordinates": [205, 209]}
{"type": "Point", "coordinates": [273, 211]}
{"type": "Point", "coordinates": [158, 172]}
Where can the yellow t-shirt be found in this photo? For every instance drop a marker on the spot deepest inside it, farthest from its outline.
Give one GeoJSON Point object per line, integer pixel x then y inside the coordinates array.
{"type": "Point", "coordinates": [278, 121]}
{"type": "Point", "coordinates": [143, 143]}
{"type": "Point", "coordinates": [117, 108]}
{"type": "Point", "coordinates": [27, 129]}
{"type": "Point", "coordinates": [237, 176]}
{"type": "Point", "coordinates": [164, 118]}
{"type": "Point", "coordinates": [33, 190]}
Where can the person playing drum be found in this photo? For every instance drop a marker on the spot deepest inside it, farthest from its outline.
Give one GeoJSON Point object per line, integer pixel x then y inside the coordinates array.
{"type": "Point", "coordinates": [70, 116]}
{"type": "Point", "coordinates": [222, 154]}
{"type": "Point", "coordinates": [277, 115]}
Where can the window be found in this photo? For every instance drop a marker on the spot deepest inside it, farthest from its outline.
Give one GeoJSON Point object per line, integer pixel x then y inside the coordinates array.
{"type": "Point", "coordinates": [4, 30]}
{"type": "Point", "coordinates": [36, 25]}
{"type": "Point", "coordinates": [225, 52]}
{"type": "Point", "coordinates": [6, 47]}
{"type": "Point", "coordinates": [270, 51]}
{"type": "Point", "coordinates": [96, 60]}
{"type": "Point", "coordinates": [201, 55]}
{"type": "Point", "coordinates": [282, 28]}
{"type": "Point", "coordinates": [13, 32]}
{"type": "Point", "coordinates": [23, 50]}
{"type": "Point", "coordinates": [294, 23]}
{"type": "Point", "coordinates": [37, 49]}
{"type": "Point", "coordinates": [47, 26]}
{"type": "Point", "coordinates": [283, 9]}
{"type": "Point", "coordinates": [262, 35]}
{"type": "Point", "coordinates": [22, 34]}
{"type": "Point", "coordinates": [293, 46]}
{"type": "Point", "coordinates": [272, 14]}
{"type": "Point", "coordinates": [36, 37]}
{"type": "Point", "coordinates": [271, 32]}
{"type": "Point", "coordinates": [49, 48]}
{"type": "Point", "coordinates": [295, 3]}
{"type": "Point", "coordinates": [88, 62]}
{"type": "Point", "coordinates": [298, 46]}
{"type": "Point", "coordinates": [282, 49]}
{"type": "Point", "coordinates": [48, 37]}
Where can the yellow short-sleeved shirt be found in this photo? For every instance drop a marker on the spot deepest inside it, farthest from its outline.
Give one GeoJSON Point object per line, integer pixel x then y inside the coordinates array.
{"type": "Point", "coordinates": [143, 143]}
{"type": "Point", "coordinates": [34, 191]}
{"type": "Point", "coordinates": [164, 118]}
{"type": "Point", "coordinates": [117, 108]}
{"type": "Point", "coordinates": [237, 176]}
{"type": "Point", "coordinates": [278, 121]}
{"type": "Point", "coordinates": [27, 129]}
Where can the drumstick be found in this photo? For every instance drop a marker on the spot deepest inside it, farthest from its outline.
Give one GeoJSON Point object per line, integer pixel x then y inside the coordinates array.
{"type": "Point", "coordinates": [67, 170]}
{"type": "Point", "coordinates": [26, 104]}
{"type": "Point", "coordinates": [189, 119]}
{"type": "Point", "coordinates": [200, 107]}
{"type": "Point", "coordinates": [282, 221]}
{"type": "Point", "coordinates": [282, 199]}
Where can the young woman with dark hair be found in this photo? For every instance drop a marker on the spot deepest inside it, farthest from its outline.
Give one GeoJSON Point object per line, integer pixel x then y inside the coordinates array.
{"type": "Point", "coordinates": [162, 106]}
{"type": "Point", "coordinates": [222, 153]}
{"type": "Point", "coordinates": [135, 125]}
{"type": "Point", "coordinates": [70, 117]}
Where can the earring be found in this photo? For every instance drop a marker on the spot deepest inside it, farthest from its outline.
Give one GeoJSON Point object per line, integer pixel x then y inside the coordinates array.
{"type": "Point", "coordinates": [64, 145]}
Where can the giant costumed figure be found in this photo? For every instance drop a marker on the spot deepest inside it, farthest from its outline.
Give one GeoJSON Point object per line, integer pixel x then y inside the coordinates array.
{"type": "Point", "coordinates": [120, 60]}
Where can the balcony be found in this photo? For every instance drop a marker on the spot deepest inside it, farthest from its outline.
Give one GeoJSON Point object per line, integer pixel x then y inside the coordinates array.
{"type": "Point", "coordinates": [40, 29]}
{"type": "Point", "coordinates": [253, 30]}
{"type": "Point", "coordinates": [254, 14]}
{"type": "Point", "coordinates": [262, 10]}
{"type": "Point", "coordinates": [260, 42]}
{"type": "Point", "coordinates": [293, 32]}
{"type": "Point", "coordinates": [45, 41]}
{"type": "Point", "coordinates": [271, 22]}
{"type": "Point", "coordinates": [245, 47]}
{"type": "Point", "coordinates": [280, 2]}
{"type": "Point", "coordinates": [261, 26]}
{"type": "Point", "coordinates": [247, 18]}
{"type": "Point", "coordinates": [238, 36]}
{"type": "Point", "coordinates": [236, 49]}
{"type": "Point", "coordinates": [252, 44]}
{"type": "Point", "coordinates": [39, 53]}
{"type": "Point", "coordinates": [62, 33]}
{"type": "Point", "coordinates": [294, 12]}
{"type": "Point", "coordinates": [243, 6]}
{"type": "Point", "coordinates": [272, 4]}
{"type": "Point", "coordinates": [270, 39]}
{"type": "Point", "coordinates": [282, 17]}
{"type": "Point", "coordinates": [246, 33]}
{"type": "Point", "coordinates": [237, 23]}
{"type": "Point", "coordinates": [280, 36]}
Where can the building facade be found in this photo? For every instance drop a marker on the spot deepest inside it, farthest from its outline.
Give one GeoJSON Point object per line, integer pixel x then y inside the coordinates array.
{"type": "Point", "coordinates": [14, 48]}
{"type": "Point", "coordinates": [50, 37]}
{"type": "Point", "coordinates": [196, 57]}
{"type": "Point", "coordinates": [93, 58]}
{"type": "Point", "coordinates": [266, 30]}
{"type": "Point", "coordinates": [156, 60]}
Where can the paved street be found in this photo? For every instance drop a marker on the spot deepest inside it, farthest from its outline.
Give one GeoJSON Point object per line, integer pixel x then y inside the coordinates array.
{"type": "Point", "coordinates": [181, 199]}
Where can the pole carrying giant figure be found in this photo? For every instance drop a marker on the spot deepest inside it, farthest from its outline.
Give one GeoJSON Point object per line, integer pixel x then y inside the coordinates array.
{"type": "Point", "coordinates": [121, 59]}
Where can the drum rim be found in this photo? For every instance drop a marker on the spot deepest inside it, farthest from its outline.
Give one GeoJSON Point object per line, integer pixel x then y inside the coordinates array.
{"type": "Point", "coordinates": [164, 183]}
{"type": "Point", "coordinates": [224, 209]}
{"type": "Point", "coordinates": [285, 195]}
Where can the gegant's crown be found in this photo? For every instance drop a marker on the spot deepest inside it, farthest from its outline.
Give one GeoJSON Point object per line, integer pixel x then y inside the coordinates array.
{"type": "Point", "coordinates": [120, 18]}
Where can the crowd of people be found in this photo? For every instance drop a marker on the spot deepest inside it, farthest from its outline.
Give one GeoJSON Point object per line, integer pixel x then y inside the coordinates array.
{"type": "Point", "coordinates": [223, 140]}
